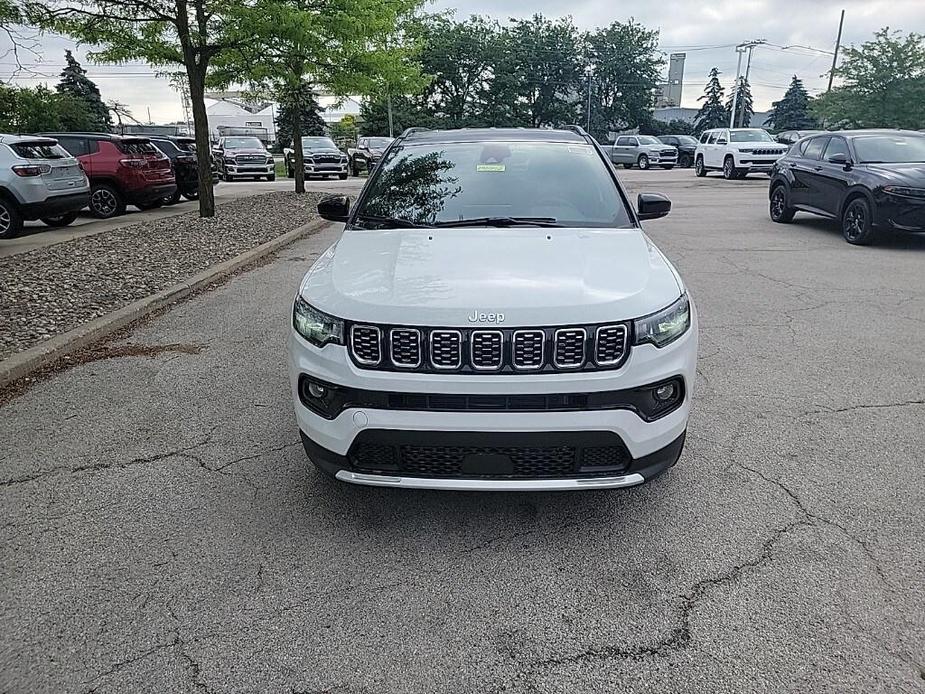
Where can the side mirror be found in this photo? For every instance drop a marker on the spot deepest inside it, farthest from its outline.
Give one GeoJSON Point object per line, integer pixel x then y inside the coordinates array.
{"type": "Point", "coordinates": [721, 142]}
{"type": "Point", "coordinates": [652, 206]}
{"type": "Point", "coordinates": [841, 159]}
{"type": "Point", "coordinates": [334, 208]}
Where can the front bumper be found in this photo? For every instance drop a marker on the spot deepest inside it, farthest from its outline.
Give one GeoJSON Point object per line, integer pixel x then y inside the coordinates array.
{"type": "Point", "coordinates": [332, 442]}
{"type": "Point", "coordinates": [249, 169]}
{"type": "Point", "coordinates": [762, 164]}
{"type": "Point", "coordinates": [312, 169]}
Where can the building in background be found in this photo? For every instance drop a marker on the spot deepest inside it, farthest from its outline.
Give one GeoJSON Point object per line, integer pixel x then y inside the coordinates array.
{"type": "Point", "coordinates": [229, 114]}
{"type": "Point", "coordinates": [669, 92]}
{"type": "Point", "coordinates": [670, 113]}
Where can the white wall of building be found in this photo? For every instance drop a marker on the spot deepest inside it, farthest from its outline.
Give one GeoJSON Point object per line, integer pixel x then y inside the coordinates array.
{"type": "Point", "coordinates": [226, 113]}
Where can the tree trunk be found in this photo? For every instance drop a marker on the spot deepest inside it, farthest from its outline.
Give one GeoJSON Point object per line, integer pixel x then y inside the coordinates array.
{"type": "Point", "coordinates": [297, 154]}
{"type": "Point", "coordinates": [196, 75]}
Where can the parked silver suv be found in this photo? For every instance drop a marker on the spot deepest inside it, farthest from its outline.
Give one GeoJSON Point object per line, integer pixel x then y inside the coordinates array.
{"type": "Point", "coordinates": [643, 151]}
{"type": "Point", "coordinates": [38, 180]}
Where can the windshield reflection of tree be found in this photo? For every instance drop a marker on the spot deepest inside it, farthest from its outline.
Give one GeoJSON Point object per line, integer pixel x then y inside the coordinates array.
{"type": "Point", "coordinates": [415, 188]}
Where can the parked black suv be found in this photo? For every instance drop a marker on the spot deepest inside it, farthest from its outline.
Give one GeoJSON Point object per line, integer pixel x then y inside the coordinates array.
{"type": "Point", "coordinates": [867, 179]}
{"type": "Point", "coordinates": [182, 154]}
{"type": "Point", "coordinates": [685, 144]}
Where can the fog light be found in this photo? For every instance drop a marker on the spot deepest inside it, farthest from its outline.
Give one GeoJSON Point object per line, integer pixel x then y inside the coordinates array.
{"type": "Point", "coordinates": [666, 392]}
{"type": "Point", "coordinates": [317, 391]}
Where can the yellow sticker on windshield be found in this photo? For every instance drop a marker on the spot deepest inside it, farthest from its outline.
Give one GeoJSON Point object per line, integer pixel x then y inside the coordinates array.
{"type": "Point", "coordinates": [489, 167]}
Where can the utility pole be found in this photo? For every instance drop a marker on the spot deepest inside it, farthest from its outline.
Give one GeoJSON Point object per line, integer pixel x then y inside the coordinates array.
{"type": "Point", "coordinates": [841, 23]}
{"type": "Point", "coordinates": [590, 72]}
{"type": "Point", "coordinates": [389, 104]}
{"type": "Point", "coordinates": [740, 49]}
{"type": "Point", "coordinates": [748, 67]}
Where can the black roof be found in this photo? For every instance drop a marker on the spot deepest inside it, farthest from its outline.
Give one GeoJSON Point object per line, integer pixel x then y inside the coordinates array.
{"type": "Point", "coordinates": [871, 131]}
{"type": "Point", "coordinates": [492, 135]}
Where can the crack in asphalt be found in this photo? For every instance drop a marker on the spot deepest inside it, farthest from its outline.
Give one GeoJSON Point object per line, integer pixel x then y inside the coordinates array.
{"type": "Point", "coordinates": [864, 406]}
{"type": "Point", "coordinates": [122, 664]}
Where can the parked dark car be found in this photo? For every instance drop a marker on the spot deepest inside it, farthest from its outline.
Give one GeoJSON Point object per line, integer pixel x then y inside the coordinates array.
{"type": "Point", "coordinates": [869, 180]}
{"type": "Point", "coordinates": [241, 156]}
{"type": "Point", "coordinates": [123, 170]}
{"type": "Point", "coordinates": [788, 137]}
{"type": "Point", "coordinates": [685, 144]}
{"type": "Point", "coordinates": [182, 154]}
{"type": "Point", "coordinates": [367, 153]}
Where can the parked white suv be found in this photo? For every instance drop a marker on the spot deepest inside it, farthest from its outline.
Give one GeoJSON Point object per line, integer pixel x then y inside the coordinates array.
{"type": "Point", "coordinates": [736, 152]}
{"type": "Point", "coordinates": [493, 317]}
{"type": "Point", "coordinates": [38, 180]}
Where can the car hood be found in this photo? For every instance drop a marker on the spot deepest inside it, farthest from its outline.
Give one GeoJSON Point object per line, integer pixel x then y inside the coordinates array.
{"type": "Point", "coordinates": [248, 150]}
{"type": "Point", "coordinates": [912, 175]}
{"type": "Point", "coordinates": [321, 150]}
{"type": "Point", "coordinates": [759, 145]}
{"type": "Point", "coordinates": [657, 148]}
{"type": "Point", "coordinates": [532, 276]}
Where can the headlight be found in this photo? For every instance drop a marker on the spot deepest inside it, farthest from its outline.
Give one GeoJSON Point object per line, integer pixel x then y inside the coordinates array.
{"type": "Point", "coordinates": [905, 192]}
{"type": "Point", "coordinates": [665, 326]}
{"type": "Point", "coordinates": [746, 150]}
{"type": "Point", "coordinates": [316, 327]}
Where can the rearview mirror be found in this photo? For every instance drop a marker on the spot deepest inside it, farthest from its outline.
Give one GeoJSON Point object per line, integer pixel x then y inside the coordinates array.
{"type": "Point", "coordinates": [652, 206]}
{"type": "Point", "coordinates": [841, 159]}
{"type": "Point", "coordinates": [334, 208]}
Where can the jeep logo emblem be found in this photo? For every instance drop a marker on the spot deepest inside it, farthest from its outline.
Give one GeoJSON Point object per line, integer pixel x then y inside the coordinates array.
{"type": "Point", "coordinates": [476, 317]}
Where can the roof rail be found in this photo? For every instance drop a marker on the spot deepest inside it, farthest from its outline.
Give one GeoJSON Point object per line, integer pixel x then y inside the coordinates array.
{"type": "Point", "coordinates": [577, 129]}
{"type": "Point", "coordinates": [411, 131]}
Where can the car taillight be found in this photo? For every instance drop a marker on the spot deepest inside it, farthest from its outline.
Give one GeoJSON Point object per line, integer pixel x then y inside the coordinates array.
{"type": "Point", "coordinates": [31, 169]}
{"type": "Point", "coordinates": [134, 163]}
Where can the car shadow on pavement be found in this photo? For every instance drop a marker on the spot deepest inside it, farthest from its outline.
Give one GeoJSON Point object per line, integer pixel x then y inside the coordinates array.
{"type": "Point", "coordinates": [886, 239]}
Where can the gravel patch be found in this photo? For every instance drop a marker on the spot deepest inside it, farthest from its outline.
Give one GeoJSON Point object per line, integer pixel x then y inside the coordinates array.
{"type": "Point", "coordinates": [48, 291]}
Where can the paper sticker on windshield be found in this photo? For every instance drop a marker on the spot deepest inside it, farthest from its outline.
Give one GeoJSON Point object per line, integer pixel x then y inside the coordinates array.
{"type": "Point", "coordinates": [580, 150]}
{"type": "Point", "coordinates": [489, 167]}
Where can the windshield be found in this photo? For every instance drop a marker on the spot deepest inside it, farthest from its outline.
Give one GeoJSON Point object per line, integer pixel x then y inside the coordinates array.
{"type": "Point", "coordinates": [379, 142]}
{"type": "Point", "coordinates": [750, 136]}
{"type": "Point", "coordinates": [890, 149]}
{"type": "Point", "coordinates": [649, 140]}
{"type": "Point", "coordinates": [565, 184]}
{"type": "Point", "coordinates": [686, 140]}
{"type": "Point", "coordinates": [318, 143]}
{"type": "Point", "coordinates": [243, 143]}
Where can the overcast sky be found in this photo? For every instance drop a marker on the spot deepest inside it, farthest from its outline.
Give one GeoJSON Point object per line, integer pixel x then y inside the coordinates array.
{"type": "Point", "coordinates": [706, 30]}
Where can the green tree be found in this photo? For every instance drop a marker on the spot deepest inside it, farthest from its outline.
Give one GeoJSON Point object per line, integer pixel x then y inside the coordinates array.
{"type": "Point", "coordinates": [170, 34]}
{"type": "Point", "coordinates": [745, 109]}
{"type": "Point", "coordinates": [74, 82]}
{"type": "Point", "coordinates": [792, 112]}
{"type": "Point", "coordinates": [625, 70]}
{"type": "Point", "coordinates": [344, 46]}
{"type": "Point", "coordinates": [545, 60]}
{"type": "Point", "coordinates": [345, 131]}
{"type": "Point", "coordinates": [34, 109]}
{"type": "Point", "coordinates": [882, 84]}
{"type": "Point", "coordinates": [303, 107]}
{"type": "Point", "coordinates": [407, 112]}
{"type": "Point", "coordinates": [712, 113]}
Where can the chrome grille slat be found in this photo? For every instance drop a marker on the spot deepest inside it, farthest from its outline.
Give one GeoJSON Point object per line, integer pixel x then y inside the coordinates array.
{"type": "Point", "coordinates": [527, 349]}
{"type": "Point", "coordinates": [446, 349]}
{"type": "Point", "coordinates": [405, 347]}
{"type": "Point", "coordinates": [569, 348]}
{"type": "Point", "coordinates": [609, 344]}
{"type": "Point", "coordinates": [366, 344]}
{"type": "Point", "coordinates": [486, 349]}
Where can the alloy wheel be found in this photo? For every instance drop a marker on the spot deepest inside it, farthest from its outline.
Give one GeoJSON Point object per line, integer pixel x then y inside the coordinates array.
{"type": "Point", "coordinates": [643, 162]}
{"type": "Point", "coordinates": [103, 202]}
{"type": "Point", "coordinates": [6, 222]}
{"type": "Point", "coordinates": [855, 222]}
{"type": "Point", "coordinates": [777, 204]}
{"type": "Point", "coordinates": [728, 169]}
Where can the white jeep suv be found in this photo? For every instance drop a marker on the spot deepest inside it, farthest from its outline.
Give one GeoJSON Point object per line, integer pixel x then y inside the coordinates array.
{"type": "Point", "coordinates": [493, 317]}
{"type": "Point", "coordinates": [736, 152]}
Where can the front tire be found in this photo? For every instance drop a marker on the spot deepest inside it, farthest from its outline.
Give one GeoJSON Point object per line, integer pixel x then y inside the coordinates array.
{"type": "Point", "coordinates": [699, 168]}
{"type": "Point", "coordinates": [729, 169]}
{"type": "Point", "coordinates": [342, 176]}
{"type": "Point", "coordinates": [10, 220]}
{"type": "Point", "coordinates": [643, 162]}
{"type": "Point", "coordinates": [685, 161]}
{"type": "Point", "coordinates": [779, 207]}
{"type": "Point", "coordinates": [290, 172]}
{"type": "Point", "coordinates": [857, 223]}
{"type": "Point", "coordinates": [106, 202]}
{"type": "Point", "coordinates": [172, 199]}
{"type": "Point", "coordinates": [271, 177]}
{"type": "Point", "coordinates": [62, 220]}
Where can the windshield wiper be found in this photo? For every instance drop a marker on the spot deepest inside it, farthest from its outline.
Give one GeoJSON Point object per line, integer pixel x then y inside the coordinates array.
{"type": "Point", "coordinates": [390, 222]}
{"type": "Point", "coordinates": [500, 222]}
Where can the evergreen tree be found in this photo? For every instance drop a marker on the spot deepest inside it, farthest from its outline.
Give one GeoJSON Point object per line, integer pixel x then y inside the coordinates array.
{"type": "Point", "coordinates": [744, 107]}
{"type": "Point", "coordinates": [305, 106]}
{"type": "Point", "coordinates": [712, 114]}
{"type": "Point", "coordinates": [792, 112]}
{"type": "Point", "coordinates": [74, 82]}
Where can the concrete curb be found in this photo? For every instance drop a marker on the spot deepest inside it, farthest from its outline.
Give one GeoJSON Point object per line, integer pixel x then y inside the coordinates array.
{"type": "Point", "coordinates": [23, 363]}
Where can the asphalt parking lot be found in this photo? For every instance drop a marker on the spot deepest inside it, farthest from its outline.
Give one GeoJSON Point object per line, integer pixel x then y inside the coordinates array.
{"type": "Point", "coordinates": [162, 530]}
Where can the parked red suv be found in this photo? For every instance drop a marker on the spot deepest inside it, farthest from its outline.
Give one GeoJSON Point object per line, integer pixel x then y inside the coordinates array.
{"type": "Point", "coordinates": [123, 170]}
